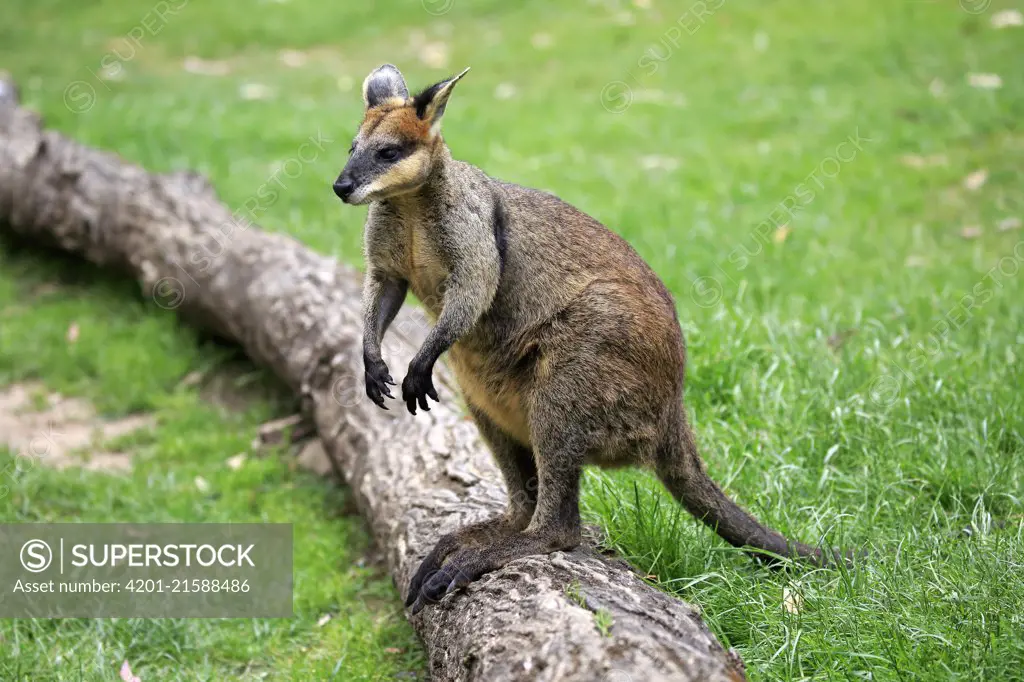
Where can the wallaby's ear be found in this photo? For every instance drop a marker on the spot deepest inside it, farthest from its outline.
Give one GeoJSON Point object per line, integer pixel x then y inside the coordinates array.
{"type": "Point", "coordinates": [382, 84]}
{"type": "Point", "coordinates": [431, 102]}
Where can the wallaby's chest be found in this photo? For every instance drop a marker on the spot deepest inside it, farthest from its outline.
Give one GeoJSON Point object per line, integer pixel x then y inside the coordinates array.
{"type": "Point", "coordinates": [410, 249]}
{"type": "Point", "coordinates": [424, 267]}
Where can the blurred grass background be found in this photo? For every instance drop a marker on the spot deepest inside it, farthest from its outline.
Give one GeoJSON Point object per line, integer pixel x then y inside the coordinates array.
{"type": "Point", "coordinates": [855, 362]}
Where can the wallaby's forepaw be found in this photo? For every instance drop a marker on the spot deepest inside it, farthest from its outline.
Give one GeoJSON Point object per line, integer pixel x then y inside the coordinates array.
{"type": "Point", "coordinates": [417, 386]}
{"type": "Point", "coordinates": [433, 580]}
{"type": "Point", "coordinates": [377, 381]}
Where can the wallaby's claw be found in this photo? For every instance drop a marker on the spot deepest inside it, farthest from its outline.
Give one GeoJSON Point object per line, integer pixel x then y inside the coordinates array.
{"type": "Point", "coordinates": [431, 587]}
{"type": "Point", "coordinates": [428, 567]}
{"type": "Point", "coordinates": [417, 386]}
{"type": "Point", "coordinates": [377, 380]}
{"type": "Point", "coordinates": [435, 577]}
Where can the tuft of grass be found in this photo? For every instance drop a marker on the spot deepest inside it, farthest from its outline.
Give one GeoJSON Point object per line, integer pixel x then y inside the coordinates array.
{"type": "Point", "coordinates": [795, 172]}
{"type": "Point", "coordinates": [603, 620]}
{"type": "Point", "coordinates": [572, 591]}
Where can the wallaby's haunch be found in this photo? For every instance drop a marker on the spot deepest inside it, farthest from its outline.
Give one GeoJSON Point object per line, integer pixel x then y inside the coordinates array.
{"type": "Point", "coordinates": [565, 343]}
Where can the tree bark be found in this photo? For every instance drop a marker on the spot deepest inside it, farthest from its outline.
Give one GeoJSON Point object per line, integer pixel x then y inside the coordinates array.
{"type": "Point", "coordinates": [414, 478]}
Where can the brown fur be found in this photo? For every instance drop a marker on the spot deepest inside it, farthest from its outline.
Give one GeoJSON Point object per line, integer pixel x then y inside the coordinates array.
{"type": "Point", "coordinates": [397, 119]}
{"type": "Point", "coordinates": [565, 343]}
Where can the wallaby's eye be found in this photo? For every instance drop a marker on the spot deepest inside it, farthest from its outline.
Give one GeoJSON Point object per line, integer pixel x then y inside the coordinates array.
{"type": "Point", "coordinates": [389, 153]}
{"type": "Point", "coordinates": [352, 148]}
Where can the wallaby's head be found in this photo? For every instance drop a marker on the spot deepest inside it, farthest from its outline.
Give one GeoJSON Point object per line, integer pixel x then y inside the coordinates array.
{"type": "Point", "coordinates": [397, 143]}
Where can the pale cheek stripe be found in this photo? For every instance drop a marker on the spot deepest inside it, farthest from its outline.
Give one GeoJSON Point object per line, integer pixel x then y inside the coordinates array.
{"type": "Point", "coordinates": [405, 173]}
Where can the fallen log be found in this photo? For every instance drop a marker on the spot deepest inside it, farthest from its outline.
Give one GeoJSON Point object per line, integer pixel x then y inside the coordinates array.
{"type": "Point", "coordinates": [297, 313]}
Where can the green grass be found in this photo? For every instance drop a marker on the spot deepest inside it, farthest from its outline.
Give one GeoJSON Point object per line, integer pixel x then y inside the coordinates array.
{"type": "Point", "coordinates": [841, 384]}
{"type": "Point", "coordinates": [129, 357]}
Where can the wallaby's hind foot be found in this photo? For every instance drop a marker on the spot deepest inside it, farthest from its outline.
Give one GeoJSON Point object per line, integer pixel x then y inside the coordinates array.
{"type": "Point", "coordinates": [469, 563]}
{"type": "Point", "coordinates": [520, 473]}
{"type": "Point", "coordinates": [559, 444]}
{"type": "Point", "coordinates": [483, 534]}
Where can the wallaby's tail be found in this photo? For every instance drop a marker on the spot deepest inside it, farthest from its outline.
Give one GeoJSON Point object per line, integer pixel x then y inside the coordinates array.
{"type": "Point", "coordinates": [682, 472]}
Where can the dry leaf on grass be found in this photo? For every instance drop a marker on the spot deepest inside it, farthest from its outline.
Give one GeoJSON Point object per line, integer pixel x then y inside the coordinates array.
{"type": "Point", "coordinates": [127, 675]}
{"type": "Point", "coordinates": [205, 67]}
{"type": "Point", "coordinates": [781, 233]}
{"type": "Point", "coordinates": [191, 379]}
{"type": "Point", "coordinates": [434, 55]}
{"type": "Point", "coordinates": [504, 91]}
{"type": "Point", "coordinates": [970, 232]}
{"type": "Point", "coordinates": [293, 59]}
{"type": "Point", "coordinates": [324, 620]}
{"type": "Point", "coordinates": [985, 81]}
{"type": "Point", "coordinates": [1008, 224]}
{"type": "Point", "coordinates": [255, 91]}
{"type": "Point", "coordinates": [655, 162]}
{"type": "Point", "coordinates": [792, 602]}
{"type": "Point", "coordinates": [45, 289]}
{"type": "Point", "coordinates": [297, 427]}
{"type": "Point", "coordinates": [624, 18]}
{"type": "Point", "coordinates": [202, 485]}
{"type": "Point", "coordinates": [1007, 18]}
{"type": "Point", "coordinates": [919, 162]}
{"type": "Point", "coordinates": [235, 463]}
{"type": "Point", "coordinates": [975, 180]}
{"type": "Point", "coordinates": [112, 72]}
{"type": "Point", "coordinates": [72, 334]}
{"type": "Point", "coordinates": [542, 41]}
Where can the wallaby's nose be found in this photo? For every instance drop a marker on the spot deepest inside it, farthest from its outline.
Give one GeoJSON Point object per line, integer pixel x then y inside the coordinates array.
{"type": "Point", "coordinates": [344, 188]}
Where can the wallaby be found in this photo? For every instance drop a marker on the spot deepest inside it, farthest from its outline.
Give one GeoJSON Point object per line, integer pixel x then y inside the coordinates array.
{"type": "Point", "coordinates": [565, 343]}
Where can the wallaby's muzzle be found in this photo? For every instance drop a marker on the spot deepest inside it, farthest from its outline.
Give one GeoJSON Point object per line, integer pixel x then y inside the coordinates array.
{"type": "Point", "coordinates": [344, 187]}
